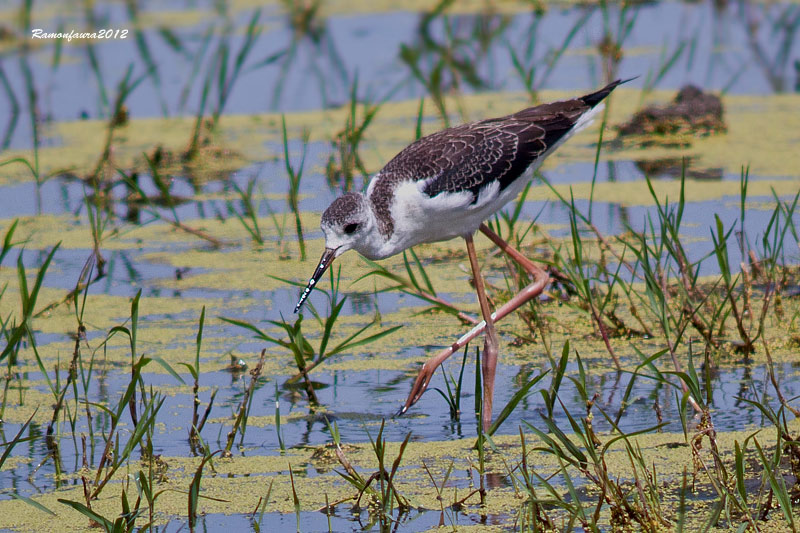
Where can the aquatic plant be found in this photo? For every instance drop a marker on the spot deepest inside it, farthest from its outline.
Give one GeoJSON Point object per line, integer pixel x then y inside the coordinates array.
{"type": "Point", "coordinates": [588, 458]}
{"type": "Point", "coordinates": [154, 211]}
{"type": "Point", "coordinates": [386, 495]}
{"type": "Point", "coordinates": [227, 79]}
{"type": "Point", "coordinates": [260, 508]}
{"type": "Point", "coordinates": [16, 439]}
{"type": "Point", "coordinates": [242, 413]}
{"type": "Point", "coordinates": [442, 64]}
{"type": "Point", "coordinates": [125, 523]}
{"type": "Point", "coordinates": [21, 327]}
{"type": "Point", "coordinates": [421, 288]}
{"type": "Point", "coordinates": [295, 175]}
{"type": "Point", "coordinates": [345, 161]}
{"type": "Point", "coordinates": [118, 118]}
{"type": "Point", "coordinates": [225, 69]}
{"type": "Point", "coordinates": [306, 356]}
{"type": "Point", "coordinates": [439, 487]}
{"type": "Point", "coordinates": [81, 409]}
{"type": "Point", "coordinates": [198, 422]}
{"type": "Point", "coordinates": [194, 489]}
{"type": "Point", "coordinates": [534, 68]}
{"type": "Point", "coordinates": [453, 396]}
{"type": "Point", "coordinates": [309, 36]}
{"type": "Point", "coordinates": [249, 216]}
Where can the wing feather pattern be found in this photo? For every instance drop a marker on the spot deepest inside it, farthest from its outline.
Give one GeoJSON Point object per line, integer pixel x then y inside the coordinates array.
{"type": "Point", "coordinates": [471, 156]}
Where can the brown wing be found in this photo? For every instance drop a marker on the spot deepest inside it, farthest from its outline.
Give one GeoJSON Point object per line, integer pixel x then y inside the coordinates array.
{"type": "Point", "coordinates": [471, 156]}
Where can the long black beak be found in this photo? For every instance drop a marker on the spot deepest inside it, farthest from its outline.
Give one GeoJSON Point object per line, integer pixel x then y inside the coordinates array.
{"type": "Point", "coordinates": [327, 258]}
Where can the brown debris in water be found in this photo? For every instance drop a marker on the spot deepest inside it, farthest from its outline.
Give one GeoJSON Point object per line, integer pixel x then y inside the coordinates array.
{"type": "Point", "coordinates": [691, 112]}
{"type": "Point", "coordinates": [674, 167]}
{"type": "Point", "coordinates": [203, 159]}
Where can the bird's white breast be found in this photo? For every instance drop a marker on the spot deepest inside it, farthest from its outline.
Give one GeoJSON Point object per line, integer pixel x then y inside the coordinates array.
{"type": "Point", "coordinates": [419, 218]}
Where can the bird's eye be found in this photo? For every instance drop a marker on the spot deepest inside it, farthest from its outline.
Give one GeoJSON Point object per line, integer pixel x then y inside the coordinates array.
{"type": "Point", "coordinates": [350, 228]}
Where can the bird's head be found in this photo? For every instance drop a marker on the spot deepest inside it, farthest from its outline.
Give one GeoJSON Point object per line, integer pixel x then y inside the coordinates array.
{"type": "Point", "coordinates": [347, 223]}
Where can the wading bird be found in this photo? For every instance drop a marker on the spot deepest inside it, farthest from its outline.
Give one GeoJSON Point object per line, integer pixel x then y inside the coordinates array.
{"type": "Point", "coordinates": [444, 186]}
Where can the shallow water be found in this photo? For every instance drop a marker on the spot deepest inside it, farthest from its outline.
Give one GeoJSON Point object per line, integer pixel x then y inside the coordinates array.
{"type": "Point", "coordinates": [720, 53]}
{"type": "Point", "coordinates": [178, 274]}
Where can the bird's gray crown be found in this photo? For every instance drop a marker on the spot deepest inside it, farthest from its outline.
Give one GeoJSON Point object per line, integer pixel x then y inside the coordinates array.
{"type": "Point", "coordinates": [348, 208]}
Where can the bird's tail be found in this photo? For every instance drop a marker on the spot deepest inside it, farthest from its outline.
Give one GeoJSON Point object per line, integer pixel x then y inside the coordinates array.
{"type": "Point", "coordinates": [596, 97]}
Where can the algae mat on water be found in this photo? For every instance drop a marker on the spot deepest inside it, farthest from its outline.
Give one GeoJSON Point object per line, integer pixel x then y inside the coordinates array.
{"type": "Point", "coordinates": [235, 485]}
{"type": "Point", "coordinates": [257, 137]}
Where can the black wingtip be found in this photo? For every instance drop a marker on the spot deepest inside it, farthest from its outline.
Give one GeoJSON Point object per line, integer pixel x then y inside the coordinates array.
{"type": "Point", "coordinates": [596, 97]}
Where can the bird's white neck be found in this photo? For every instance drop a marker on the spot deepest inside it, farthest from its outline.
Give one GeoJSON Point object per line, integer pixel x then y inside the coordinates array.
{"type": "Point", "coordinates": [373, 244]}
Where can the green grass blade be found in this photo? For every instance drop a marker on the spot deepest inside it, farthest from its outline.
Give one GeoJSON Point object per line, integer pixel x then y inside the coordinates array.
{"type": "Point", "coordinates": [512, 403]}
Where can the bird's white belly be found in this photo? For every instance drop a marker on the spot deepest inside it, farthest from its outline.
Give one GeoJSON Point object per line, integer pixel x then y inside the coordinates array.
{"type": "Point", "coordinates": [419, 218]}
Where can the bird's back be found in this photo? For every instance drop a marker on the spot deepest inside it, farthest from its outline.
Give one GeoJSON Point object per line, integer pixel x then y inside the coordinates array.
{"type": "Point", "coordinates": [489, 153]}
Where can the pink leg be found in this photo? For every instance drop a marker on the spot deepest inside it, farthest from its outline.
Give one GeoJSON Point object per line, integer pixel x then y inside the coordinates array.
{"type": "Point", "coordinates": [492, 345]}
{"type": "Point", "coordinates": [540, 280]}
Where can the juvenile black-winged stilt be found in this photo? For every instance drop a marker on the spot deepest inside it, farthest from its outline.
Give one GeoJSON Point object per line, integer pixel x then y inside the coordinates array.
{"type": "Point", "coordinates": [445, 185]}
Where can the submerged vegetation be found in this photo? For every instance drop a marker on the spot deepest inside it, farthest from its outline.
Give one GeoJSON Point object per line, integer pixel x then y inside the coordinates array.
{"type": "Point", "coordinates": [154, 378]}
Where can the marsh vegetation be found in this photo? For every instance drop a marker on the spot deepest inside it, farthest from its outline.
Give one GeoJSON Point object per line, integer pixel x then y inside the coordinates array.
{"type": "Point", "coordinates": [159, 205]}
